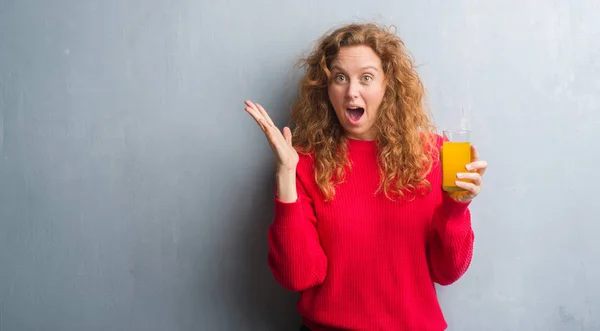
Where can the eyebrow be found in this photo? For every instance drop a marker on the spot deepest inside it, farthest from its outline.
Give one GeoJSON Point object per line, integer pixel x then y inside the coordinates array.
{"type": "Point", "coordinates": [335, 66]}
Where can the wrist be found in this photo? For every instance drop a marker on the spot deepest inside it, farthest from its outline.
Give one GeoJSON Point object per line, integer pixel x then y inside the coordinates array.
{"type": "Point", "coordinates": [285, 173]}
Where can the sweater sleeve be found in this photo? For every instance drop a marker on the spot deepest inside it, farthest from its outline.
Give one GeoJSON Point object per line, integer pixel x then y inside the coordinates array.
{"type": "Point", "coordinates": [296, 257]}
{"type": "Point", "coordinates": [451, 244]}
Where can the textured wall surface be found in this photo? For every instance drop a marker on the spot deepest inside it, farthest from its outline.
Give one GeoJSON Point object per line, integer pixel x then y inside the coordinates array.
{"type": "Point", "coordinates": [135, 193]}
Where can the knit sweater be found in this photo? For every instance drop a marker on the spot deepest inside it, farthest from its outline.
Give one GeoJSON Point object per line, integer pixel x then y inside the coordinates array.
{"type": "Point", "coordinates": [363, 261]}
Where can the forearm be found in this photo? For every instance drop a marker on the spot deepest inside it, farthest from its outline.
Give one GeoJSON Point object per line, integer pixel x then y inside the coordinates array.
{"type": "Point", "coordinates": [451, 244]}
{"type": "Point", "coordinates": [296, 257]}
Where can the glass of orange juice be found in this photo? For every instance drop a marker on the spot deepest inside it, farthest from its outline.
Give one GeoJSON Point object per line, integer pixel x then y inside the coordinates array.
{"type": "Point", "coordinates": [456, 154]}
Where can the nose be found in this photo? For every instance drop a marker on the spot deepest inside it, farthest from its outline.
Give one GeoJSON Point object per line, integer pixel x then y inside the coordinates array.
{"type": "Point", "coordinates": [352, 91]}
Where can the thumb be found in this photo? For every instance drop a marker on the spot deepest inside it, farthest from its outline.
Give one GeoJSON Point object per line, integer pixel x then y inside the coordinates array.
{"type": "Point", "coordinates": [287, 134]}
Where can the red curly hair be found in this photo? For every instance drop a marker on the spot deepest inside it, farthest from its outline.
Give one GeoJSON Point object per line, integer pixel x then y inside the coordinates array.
{"type": "Point", "coordinates": [406, 135]}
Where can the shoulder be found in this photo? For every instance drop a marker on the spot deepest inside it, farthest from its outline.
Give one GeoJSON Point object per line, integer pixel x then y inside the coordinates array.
{"type": "Point", "coordinates": [438, 140]}
{"type": "Point", "coordinates": [433, 150]}
{"type": "Point", "coordinates": [432, 143]}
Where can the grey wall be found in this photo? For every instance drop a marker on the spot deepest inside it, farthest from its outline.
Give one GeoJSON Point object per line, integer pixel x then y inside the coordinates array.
{"type": "Point", "coordinates": [135, 193]}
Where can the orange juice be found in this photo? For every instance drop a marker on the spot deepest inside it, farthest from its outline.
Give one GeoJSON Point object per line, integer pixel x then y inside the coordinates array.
{"type": "Point", "coordinates": [455, 156]}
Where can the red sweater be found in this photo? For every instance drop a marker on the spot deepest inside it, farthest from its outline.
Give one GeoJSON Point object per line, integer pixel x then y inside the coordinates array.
{"type": "Point", "coordinates": [362, 261]}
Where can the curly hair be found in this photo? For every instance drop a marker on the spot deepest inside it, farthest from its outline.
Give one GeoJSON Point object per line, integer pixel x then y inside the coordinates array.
{"type": "Point", "coordinates": [406, 135]}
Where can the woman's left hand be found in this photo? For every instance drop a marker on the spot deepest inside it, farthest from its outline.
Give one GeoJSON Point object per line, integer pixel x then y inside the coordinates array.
{"type": "Point", "coordinates": [470, 181]}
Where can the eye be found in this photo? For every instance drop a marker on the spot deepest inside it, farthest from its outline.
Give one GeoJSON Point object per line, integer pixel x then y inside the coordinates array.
{"type": "Point", "coordinates": [367, 78]}
{"type": "Point", "coordinates": [339, 78]}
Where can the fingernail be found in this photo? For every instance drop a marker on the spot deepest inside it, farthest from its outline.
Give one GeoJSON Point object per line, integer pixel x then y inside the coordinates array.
{"type": "Point", "coordinates": [469, 167]}
{"type": "Point", "coordinates": [459, 175]}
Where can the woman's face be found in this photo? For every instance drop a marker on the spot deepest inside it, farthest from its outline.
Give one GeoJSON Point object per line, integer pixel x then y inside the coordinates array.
{"type": "Point", "coordinates": [356, 90]}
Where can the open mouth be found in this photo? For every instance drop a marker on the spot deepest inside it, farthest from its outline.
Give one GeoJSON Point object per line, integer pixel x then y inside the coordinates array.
{"type": "Point", "coordinates": [355, 113]}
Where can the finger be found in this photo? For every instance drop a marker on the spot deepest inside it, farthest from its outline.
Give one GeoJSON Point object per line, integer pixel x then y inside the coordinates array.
{"type": "Point", "coordinates": [276, 138]}
{"type": "Point", "coordinates": [264, 113]}
{"type": "Point", "coordinates": [287, 134]}
{"type": "Point", "coordinates": [257, 117]}
{"type": "Point", "coordinates": [470, 187]}
{"type": "Point", "coordinates": [272, 134]}
{"type": "Point", "coordinates": [254, 115]}
{"type": "Point", "coordinates": [252, 106]}
{"type": "Point", "coordinates": [478, 166]}
{"type": "Point", "coordinates": [474, 154]}
{"type": "Point", "coordinates": [474, 177]}
{"type": "Point", "coordinates": [253, 109]}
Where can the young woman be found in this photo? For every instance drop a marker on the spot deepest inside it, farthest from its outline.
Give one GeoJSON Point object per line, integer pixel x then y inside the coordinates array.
{"type": "Point", "coordinates": [362, 226]}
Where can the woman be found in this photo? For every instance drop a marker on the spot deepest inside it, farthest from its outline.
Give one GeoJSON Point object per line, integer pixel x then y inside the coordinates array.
{"type": "Point", "coordinates": [362, 226]}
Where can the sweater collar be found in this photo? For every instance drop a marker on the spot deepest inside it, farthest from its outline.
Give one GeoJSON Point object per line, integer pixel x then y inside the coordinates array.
{"type": "Point", "coordinates": [361, 145]}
